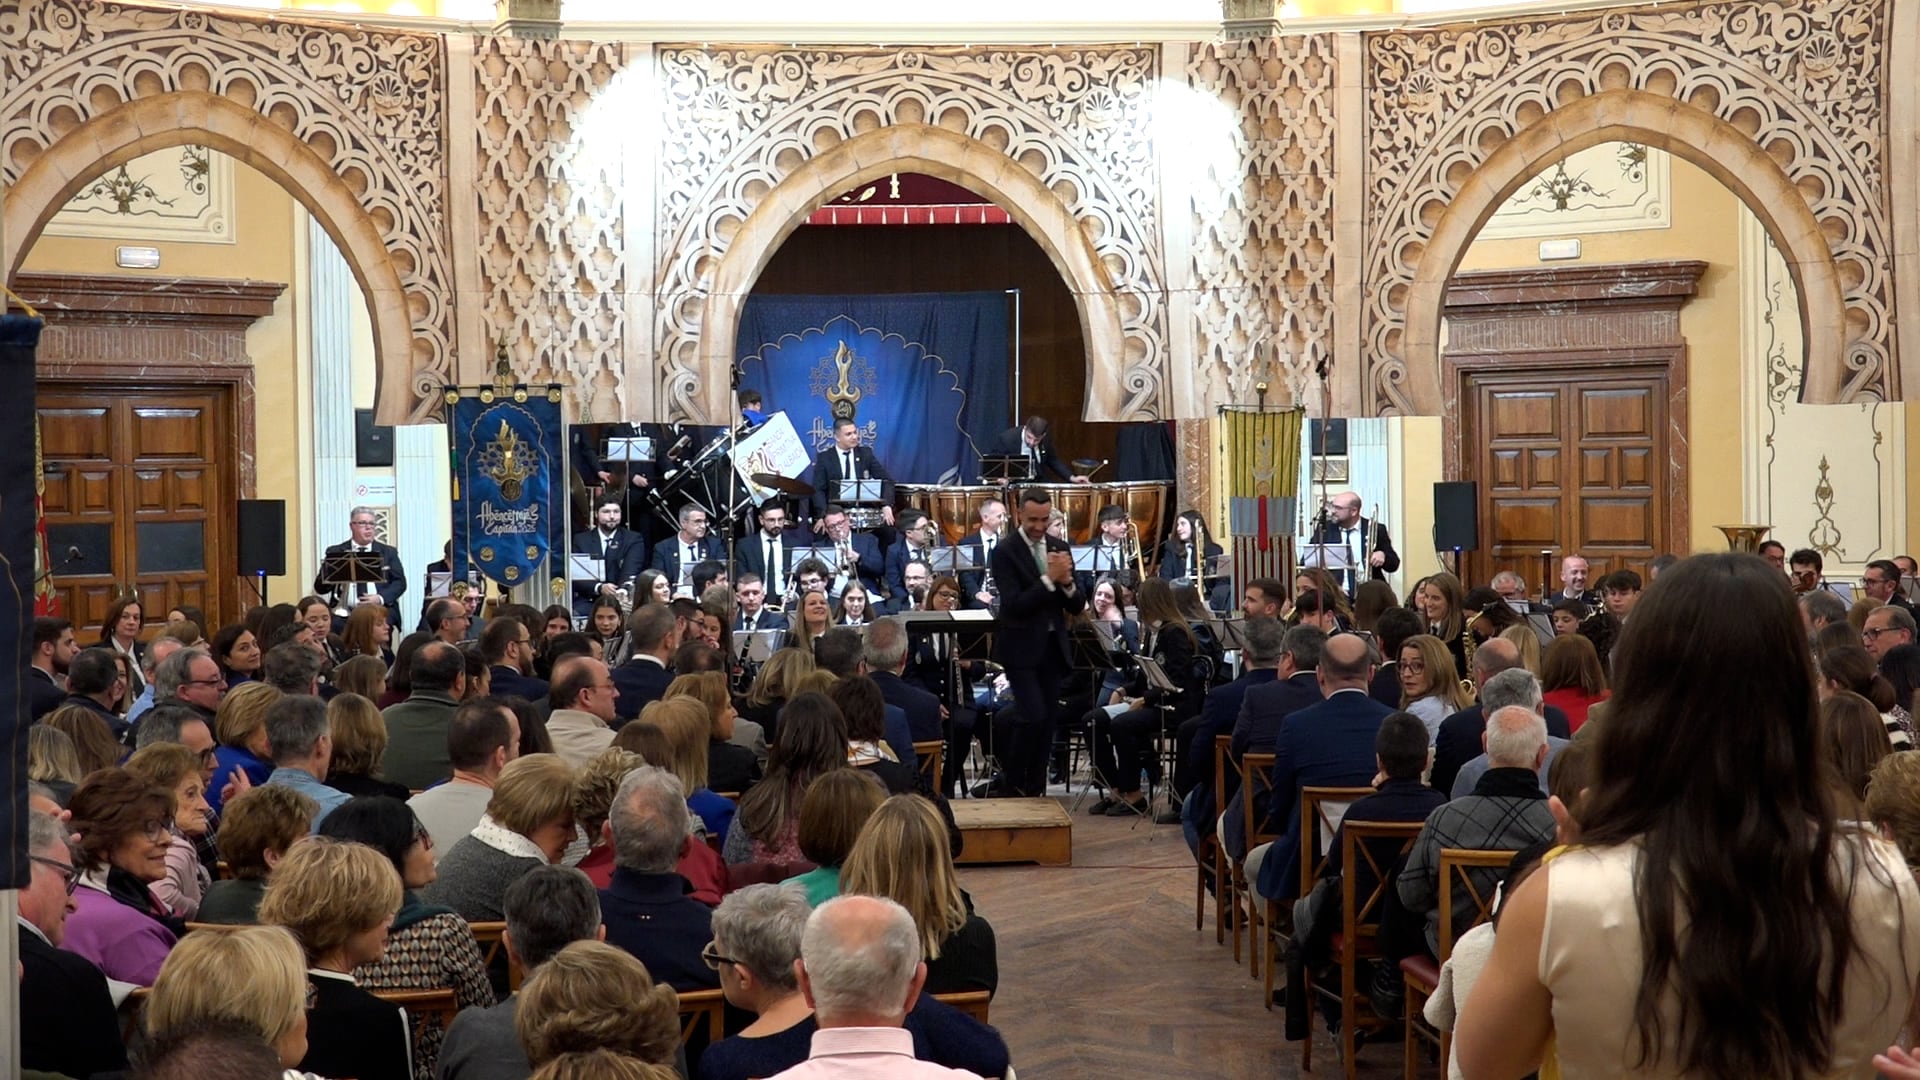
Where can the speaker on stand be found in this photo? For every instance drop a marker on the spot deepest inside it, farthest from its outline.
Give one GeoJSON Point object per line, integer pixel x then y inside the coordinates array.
{"type": "Point", "coordinates": [1456, 519]}
{"type": "Point", "coordinates": [263, 541]}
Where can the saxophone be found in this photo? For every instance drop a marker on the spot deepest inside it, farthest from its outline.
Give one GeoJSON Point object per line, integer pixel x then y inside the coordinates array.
{"type": "Point", "coordinates": [1466, 651]}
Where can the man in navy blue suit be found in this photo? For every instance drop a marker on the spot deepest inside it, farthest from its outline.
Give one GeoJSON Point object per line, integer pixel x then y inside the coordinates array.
{"type": "Point", "coordinates": [677, 555]}
{"type": "Point", "coordinates": [856, 555]}
{"type": "Point", "coordinates": [766, 552]}
{"type": "Point", "coordinates": [751, 593]}
{"type": "Point", "coordinates": [393, 577]}
{"type": "Point", "coordinates": [642, 680]}
{"type": "Point", "coordinates": [918, 537]}
{"type": "Point", "coordinates": [846, 459]}
{"type": "Point", "coordinates": [507, 647]}
{"type": "Point", "coordinates": [885, 653]}
{"type": "Point", "coordinates": [1257, 726]}
{"type": "Point", "coordinates": [1034, 573]}
{"type": "Point", "coordinates": [1328, 745]}
{"type": "Point", "coordinates": [1265, 637]}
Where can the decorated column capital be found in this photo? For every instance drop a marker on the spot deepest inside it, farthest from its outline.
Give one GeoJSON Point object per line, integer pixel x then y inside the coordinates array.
{"type": "Point", "coordinates": [536, 19]}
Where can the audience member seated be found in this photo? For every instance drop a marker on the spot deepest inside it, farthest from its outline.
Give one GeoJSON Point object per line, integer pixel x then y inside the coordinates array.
{"type": "Point", "coordinates": [812, 743]}
{"type": "Point", "coordinates": [1658, 889]}
{"type": "Point", "coordinates": [774, 686]}
{"type": "Point", "coordinates": [590, 997]}
{"type": "Point", "coordinates": [1292, 687]}
{"type": "Point", "coordinates": [507, 647]}
{"type": "Point", "coordinates": [52, 761]}
{"type": "Point", "coordinates": [253, 978]}
{"type": "Point", "coordinates": [400, 672]}
{"type": "Point", "coordinates": [1461, 735]}
{"type": "Point", "coordinates": [1514, 686]}
{"type": "Point", "coordinates": [301, 746]}
{"type": "Point", "coordinates": [836, 808]}
{"type": "Point", "coordinates": [645, 906]}
{"type": "Point", "coordinates": [884, 652]}
{"type": "Point", "coordinates": [732, 766]}
{"type": "Point", "coordinates": [261, 826]}
{"type": "Point", "coordinates": [481, 738]}
{"type": "Point", "coordinates": [229, 1051]}
{"type": "Point", "coordinates": [338, 899]}
{"type": "Point", "coordinates": [1429, 682]}
{"type": "Point", "coordinates": [428, 948]}
{"type": "Point", "coordinates": [1850, 668]}
{"type": "Point", "coordinates": [863, 711]}
{"type": "Point", "coordinates": [548, 909]}
{"type": "Point", "coordinates": [1469, 957]}
{"type": "Point", "coordinates": [756, 939]}
{"type": "Point", "coordinates": [125, 829]}
{"type": "Point", "coordinates": [860, 970]}
{"type": "Point", "coordinates": [293, 668]}
{"type": "Point", "coordinates": [593, 791]}
{"type": "Point", "coordinates": [644, 678]}
{"type": "Point", "coordinates": [359, 745]}
{"type": "Point", "coordinates": [1893, 803]}
{"type": "Point", "coordinates": [582, 699]}
{"type": "Point", "coordinates": [528, 823]}
{"type": "Point", "coordinates": [237, 651]}
{"type": "Point", "coordinates": [177, 769]}
{"type": "Point", "coordinates": [1572, 679]}
{"type": "Point", "coordinates": [417, 727]}
{"type": "Point", "coordinates": [1220, 714]}
{"type": "Point", "coordinates": [903, 854]}
{"type": "Point", "coordinates": [67, 1021]}
{"type": "Point", "coordinates": [93, 740]}
{"type": "Point", "coordinates": [1853, 739]}
{"type": "Point", "coordinates": [240, 727]}
{"type": "Point", "coordinates": [683, 721]}
{"type": "Point", "coordinates": [175, 723]}
{"type": "Point", "coordinates": [363, 675]}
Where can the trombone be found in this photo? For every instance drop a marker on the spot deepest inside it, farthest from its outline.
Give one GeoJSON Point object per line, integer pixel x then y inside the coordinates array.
{"type": "Point", "coordinates": [1139, 553]}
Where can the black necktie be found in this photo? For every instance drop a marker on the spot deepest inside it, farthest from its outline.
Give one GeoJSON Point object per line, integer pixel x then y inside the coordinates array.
{"type": "Point", "coordinates": [773, 567]}
{"type": "Point", "coordinates": [846, 465]}
{"type": "Point", "coordinates": [751, 620]}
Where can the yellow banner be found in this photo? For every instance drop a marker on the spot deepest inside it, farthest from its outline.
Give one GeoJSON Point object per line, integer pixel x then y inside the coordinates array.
{"type": "Point", "coordinates": [1263, 452]}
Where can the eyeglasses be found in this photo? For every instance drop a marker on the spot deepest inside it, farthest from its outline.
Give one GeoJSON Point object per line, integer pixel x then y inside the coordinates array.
{"type": "Point", "coordinates": [713, 959]}
{"type": "Point", "coordinates": [158, 829]}
{"type": "Point", "coordinates": [1873, 632]}
{"type": "Point", "coordinates": [68, 875]}
{"type": "Point", "coordinates": [217, 680]}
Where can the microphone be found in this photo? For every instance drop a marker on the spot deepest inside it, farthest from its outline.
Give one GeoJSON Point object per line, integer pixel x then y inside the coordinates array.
{"type": "Point", "coordinates": [73, 554]}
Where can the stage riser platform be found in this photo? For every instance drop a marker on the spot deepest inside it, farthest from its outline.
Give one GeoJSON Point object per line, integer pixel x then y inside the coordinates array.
{"type": "Point", "coordinates": [1014, 831]}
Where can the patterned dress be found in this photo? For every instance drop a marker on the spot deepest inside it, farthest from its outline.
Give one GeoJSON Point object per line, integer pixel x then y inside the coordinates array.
{"type": "Point", "coordinates": [429, 948]}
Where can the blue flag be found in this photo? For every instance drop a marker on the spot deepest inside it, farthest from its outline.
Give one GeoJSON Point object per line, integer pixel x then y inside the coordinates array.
{"type": "Point", "coordinates": [509, 487]}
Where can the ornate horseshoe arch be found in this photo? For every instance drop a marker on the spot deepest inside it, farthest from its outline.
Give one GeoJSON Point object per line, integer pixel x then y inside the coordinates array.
{"type": "Point", "coordinates": [1781, 104]}
{"type": "Point", "coordinates": [348, 121]}
{"type": "Point", "coordinates": [1040, 131]}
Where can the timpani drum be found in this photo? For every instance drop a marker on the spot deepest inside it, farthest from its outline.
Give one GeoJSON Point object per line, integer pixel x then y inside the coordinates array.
{"type": "Point", "coordinates": [1146, 503]}
{"type": "Point", "coordinates": [1078, 502]}
{"type": "Point", "coordinates": [955, 509]}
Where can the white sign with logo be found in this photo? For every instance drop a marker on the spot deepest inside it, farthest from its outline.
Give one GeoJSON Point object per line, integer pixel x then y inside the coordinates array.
{"type": "Point", "coordinates": [374, 489]}
{"type": "Point", "coordinates": [773, 447]}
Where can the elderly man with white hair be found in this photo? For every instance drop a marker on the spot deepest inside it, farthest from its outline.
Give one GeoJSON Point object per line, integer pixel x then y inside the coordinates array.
{"type": "Point", "coordinates": [860, 969]}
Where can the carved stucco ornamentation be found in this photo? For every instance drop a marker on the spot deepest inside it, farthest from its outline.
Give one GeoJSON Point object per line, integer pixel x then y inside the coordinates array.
{"type": "Point", "coordinates": [1802, 81]}
{"type": "Point", "coordinates": [1263, 219]}
{"type": "Point", "coordinates": [369, 103]}
{"type": "Point", "coordinates": [736, 122]}
{"type": "Point", "coordinates": [552, 248]}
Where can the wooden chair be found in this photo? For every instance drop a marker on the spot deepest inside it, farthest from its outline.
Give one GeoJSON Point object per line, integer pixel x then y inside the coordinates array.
{"type": "Point", "coordinates": [1321, 811]}
{"type": "Point", "coordinates": [702, 1006]}
{"type": "Point", "coordinates": [1421, 975]}
{"type": "Point", "coordinates": [972, 1002]}
{"type": "Point", "coordinates": [423, 1006]}
{"type": "Point", "coordinates": [1362, 843]}
{"type": "Point", "coordinates": [489, 936]}
{"type": "Point", "coordinates": [1256, 776]}
{"type": "Point", "coordinates": [930, 753]}
{"type": "Point", "coordinates": [131, 1018]}
{"type": "Point", "coordinates": [1212, 854]}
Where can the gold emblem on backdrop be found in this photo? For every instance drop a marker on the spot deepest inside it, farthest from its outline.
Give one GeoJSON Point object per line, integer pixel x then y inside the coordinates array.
{"type": "Point", "coordinates": [508, 461]}
{"type": "Point", "coordinates": [843, 379]}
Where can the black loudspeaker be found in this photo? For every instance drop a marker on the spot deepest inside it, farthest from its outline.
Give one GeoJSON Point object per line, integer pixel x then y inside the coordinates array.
{"type": "Point", "coordinates": [372, 443]}
{"type": "Point", "coordinates": [1456, 516]}
{"type": "Point", "coordinates": [263, 537]}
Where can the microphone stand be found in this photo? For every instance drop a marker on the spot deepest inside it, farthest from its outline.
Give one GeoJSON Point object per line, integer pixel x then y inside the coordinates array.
{"type": "Point", "coordinates": [1322, 521]}
{"type": "Point", "coordinates": [734, 423]}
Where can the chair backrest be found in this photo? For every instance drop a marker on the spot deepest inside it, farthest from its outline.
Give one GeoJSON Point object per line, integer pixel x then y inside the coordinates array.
{"type": "Point", "coordinates": [972, 1002]}
{"type": "Point", "coordinates": [702, 1006]}
{"type": "Point", "coordinates": [1256, 777]}
{"type": "Point", "coordinates": [422, 1005]}
{"type": "Point", "coordinates": [490, 937]}
{"type": "Point", "coordinates": [930, 752]}
{"type": "Point", "coordinates": [1222, 744]}
{"type": "Point", "coordinates": [1362, 844]}
{"type": "Point", "coordinates": [1456, 871]}
{"type": "Point", "coordinates": [1321, 811]}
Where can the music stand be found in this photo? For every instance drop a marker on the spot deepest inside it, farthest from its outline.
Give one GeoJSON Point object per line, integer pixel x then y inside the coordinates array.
{"type": "Point", "coordinates": [760, 644]}
{"type": "Point", "coordinates": [950, 560]}
{"type": "Point", "coordinates": [1005, 468]}
{"type": "Point", "coordinates": [827, 555]}
{"type": "Point", "coordinates": [629, 449]}
{"type": "Point", "coordinates": [1231, 632]}
{"type": "Point", "coordinates": [1840, 589]}
{"type": "Point", "coordinates": [351, 568]}
{"type": "Point", "coordinates": [860, 493]}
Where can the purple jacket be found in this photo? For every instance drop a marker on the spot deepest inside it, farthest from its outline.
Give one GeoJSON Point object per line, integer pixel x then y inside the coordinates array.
{"type": "Point", "coordinates": [122, 942]}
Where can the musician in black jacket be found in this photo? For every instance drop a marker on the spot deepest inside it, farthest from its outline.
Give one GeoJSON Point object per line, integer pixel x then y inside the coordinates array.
{"type": "Point", "coordinates": [1120, 742]}
{"type": "Point", "coordinates": [830, 467]}
{"type": "Point", "coordinates": [1030, 441]}
{"type": "Point", "coordinates": [1363, 540]}
{"type": "Point", "coordinates": [621, 553]}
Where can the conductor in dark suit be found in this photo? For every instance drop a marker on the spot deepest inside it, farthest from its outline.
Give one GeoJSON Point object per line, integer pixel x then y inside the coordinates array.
{"type": "Point", "coordinates": [393, 577]}
{"type": "Point", "coordinates": [1365, 541]}
{"type": "Point", "coordinates": [846, 459]}
{"type": "Point", "coordinates": [1030, 441]}
{"type": "Point", "coordinates": [621, 553]}
{"type": "Point", "coordinates": [67, 1020]}
{"type": "Point", "coordinates": [1034, 573]}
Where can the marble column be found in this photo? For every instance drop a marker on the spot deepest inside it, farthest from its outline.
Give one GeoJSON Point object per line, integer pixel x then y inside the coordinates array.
{"type": "Point", "coordinates": [423, 507]}
{"type": "Point", "coordinates": [332, 292]}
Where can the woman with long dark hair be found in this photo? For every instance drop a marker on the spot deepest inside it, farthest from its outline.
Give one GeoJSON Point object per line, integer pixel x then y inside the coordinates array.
{"type": "Point", "coordinates": [1120, 742]}
{"type": "Point", "coordinates": [813, 742]}
{"type": "Point", "coordinates": [1716, 918]}
{"type": "Point", "coordinates": [120, 631]}
{"type": "Point", "coordinates": [1191, 556]}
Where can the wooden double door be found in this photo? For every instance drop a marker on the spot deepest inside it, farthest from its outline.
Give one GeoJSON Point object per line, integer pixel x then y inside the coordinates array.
{"type": "Point", "coordinates": [140, 489]}
{"type": "Point", "coordinates": [1571, 458]}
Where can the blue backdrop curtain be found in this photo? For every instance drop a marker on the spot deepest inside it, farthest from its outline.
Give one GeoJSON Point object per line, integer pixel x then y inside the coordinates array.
{"type": "Point", "coordinates": [509, 489]}
{"type": "Point", "coordinates": [19, 339]}
{"type": "Point", "coordinates": [930, 370]}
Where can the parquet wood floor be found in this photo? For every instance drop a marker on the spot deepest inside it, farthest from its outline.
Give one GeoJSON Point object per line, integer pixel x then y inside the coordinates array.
{"type": "Point", "coordinates": [1103, 976]}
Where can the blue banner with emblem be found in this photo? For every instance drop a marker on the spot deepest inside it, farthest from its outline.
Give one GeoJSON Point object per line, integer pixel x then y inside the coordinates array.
{"type": "Point", "coordinates": [923, 374]}
{"type": "Point", "coordinates": [509, 487]}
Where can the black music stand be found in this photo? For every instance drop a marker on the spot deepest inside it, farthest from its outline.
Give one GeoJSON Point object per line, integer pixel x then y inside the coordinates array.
{"type": "Point", "coordinates": [1091, 647]}
{"type": "Point", "coordinates": [351, 568]}
{"type": "Point", "coordinates": [1005, 468]}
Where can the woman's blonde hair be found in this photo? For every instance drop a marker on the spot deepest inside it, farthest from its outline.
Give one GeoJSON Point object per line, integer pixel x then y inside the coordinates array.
{"type": "Point", "coordinates": [327, 891]}
{"type": "Point", "coordinates": [253, 976]}
{"type": "Point", "coordinates": [595, 784]}
{"type": "Point", "coordinates": [592, 996]}
{"type": "Point", "coordinates": [602, 1065]}
{"type": "Point", "coordinates": [243, 712]}
{"type": "Point", "coordinates": [683, 720]}
{"type": "Point", "coordinates": [1442, 677]}
{"type": "Point", "coordinates": [778, 674]}
{"type": "Point", "coordinates": [359, 735]}
{"type": "Point", "coordinates": [94, 746]}
{"type": "Point", "coordinates": [532, 791]}
{"type": "Point", "coordinates": [709, 688]}
{"type": "Point", "coordinates": [51, 756]}
{"type": "Point", "coordinates": [902, 854]}
{"type": "Point", "coordinates": [817, 681]}
{"type": "Point", "coordinates": [1528, 643]}
{"type": "Point", "coordinates": [164, 765]}
{"type": "Point", "coordinates": [1893, 802]}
